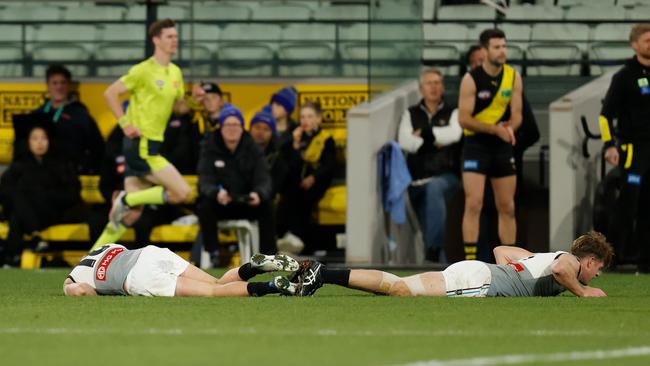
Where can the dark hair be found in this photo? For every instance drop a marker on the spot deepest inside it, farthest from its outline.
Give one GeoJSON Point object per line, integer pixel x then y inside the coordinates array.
{"type": "Point", "coordinates": [488, 34]}
{"type": "Point", "coordinates": [313, 105]}
{"type": "Point", "coordinates": [57, 69]}
{"type": "Point", "coordinates": [156, 28]}
{"type": "Point", "coordinates": [593, 243]}
{"type": "Point", "coordinates": [471, 51]}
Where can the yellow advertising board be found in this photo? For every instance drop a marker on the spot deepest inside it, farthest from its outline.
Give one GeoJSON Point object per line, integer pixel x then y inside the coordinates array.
{"type": "Point", "coordinates": [335, 99]}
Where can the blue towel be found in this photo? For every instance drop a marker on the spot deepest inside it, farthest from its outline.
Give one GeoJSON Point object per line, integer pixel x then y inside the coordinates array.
{"type": "Point", "coordinates": [394, 178]}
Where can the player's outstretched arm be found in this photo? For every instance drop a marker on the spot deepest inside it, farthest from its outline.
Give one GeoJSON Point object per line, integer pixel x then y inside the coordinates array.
{"type": "Point", "coordinates": [77, 289]}
{"type": "Point", "coordinates": [565, 271]}
{"type": "Point", "coordinates": [508, 253]}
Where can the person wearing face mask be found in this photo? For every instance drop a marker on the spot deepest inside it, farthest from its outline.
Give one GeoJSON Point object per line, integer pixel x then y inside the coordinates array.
{"type": "Point", "coordinates": [311, 157]}
{"type": "Point", "coordinates": [74, 131]}
{"type": "Point", "coordinates": [36, 191]}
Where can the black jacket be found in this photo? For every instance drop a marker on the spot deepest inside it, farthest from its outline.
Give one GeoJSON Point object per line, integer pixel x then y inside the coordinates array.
{"type": "Point", "coordinates": [299, 169]}
{"type": "Point", "coordinates": [240, 173]}
{"type": "Point", "coordinates": [430, 160]}
{"type": "Point", "coordinates": [76, 136]}
{"type": "Point", "coordinates": [628, 99]}
{"type": "Point", "coordinates": [52, 180]}
{"type": "Point", "coordinates": [111, 175]}
{"type": "Point", "coordinates": [277, 162]}
{"type": "Point", "coordinates": [181, 144]}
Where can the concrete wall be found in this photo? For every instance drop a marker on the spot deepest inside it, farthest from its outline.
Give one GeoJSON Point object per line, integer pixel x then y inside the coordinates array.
{"type": "Point", "coordinates": [573, 178]}
{"type": "Point", "coordinates": [370, 126]}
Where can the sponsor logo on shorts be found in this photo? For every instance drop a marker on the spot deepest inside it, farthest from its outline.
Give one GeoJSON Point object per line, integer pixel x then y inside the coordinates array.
{"type": "Point", "coordinates": [470, 164]}
{"type": "Point", "coordinates": [100, 275]}
{"type": "Point", "coordinates": [634, 179]}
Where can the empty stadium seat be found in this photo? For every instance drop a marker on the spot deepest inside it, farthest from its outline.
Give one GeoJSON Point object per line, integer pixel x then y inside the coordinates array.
{"type": "Point", "coordinates": [475, 31]}
{"type": "Point", "coordinates": [279, 11]}
{"type": "Point", "coordinates": [444, 52]}
{"type": "Point", "coordinates": [251, 32]}
{"type": "Point", "coordinates": [632, 3]}
{"type": "Point", "coordinates": [446, 32]}
{"type": "Point", "coordinates": [11, 33]}
{"type": "Point", "coordinates": [65, 53]}
{"type": "Point", "coordinates": [124, 54]}
{"type": "Point", "coordinates": [516, 32]}
{"type": "Point", "coordinates": [607, 56]}
{"type": "Point", "coordinates": [572, 3]}
{"type": "Point", "coordinates": [593, 12]}
{"type": "Point", "coordinates": [139, 12]}
{"type": "Point", "coordinates": [309, 32]}
{"type": "Point", "coordinates": [31, 13]}
{"type": "Point", "coordinates": [611, 32]}
{"type": "Point", "coordinates": [534, 12]}
{"type": "Point", "coordinates": [12, 58]}
{"type": "Point", "coordinates": [245, 59]}
{"type": "Point", "coordinates": [464, 12]}
{"type": "Point", "coordinates": [342, 12]}
{"type": "Point", "coordinates": [356, 62]}
{"type": "Point", "coordinates": [396, 9]}
{"type": "Point", "coordinates": [205, 35]}
{"type": "Point", "coordinates": [575, 34]}
{"type": "Point", "coordinates": [221, 11]}
{"type": "Point", "coordinates": [639, 13]}
{"type": "Point", "coordinates": [94, 13]}
{"type": "Point", "coordinates": [196, 60]}
{"type": "Point", "coordinates": [73, 35]}
{"type": "Point", "coordinates": [306, 59]}
{"type": "Point", "coordinates": [122, 32]}
{"type": "Point", "coordinates": [354, 32]}
{"type": "Point", "coordinates": [428, 10]}
{"type": "Point", "coordinates": [561, 59]}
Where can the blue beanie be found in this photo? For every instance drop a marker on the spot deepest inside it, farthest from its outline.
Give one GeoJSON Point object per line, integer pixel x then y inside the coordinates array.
{"type": "Point", "coordinates": [230, 110]}
{"type": "Point", "coordinates": [264, 117]}
{"type": "Point", "coordinates": [287, 98]}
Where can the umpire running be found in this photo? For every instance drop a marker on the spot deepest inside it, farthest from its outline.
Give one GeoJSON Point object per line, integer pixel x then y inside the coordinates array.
{"type": "Point", "coordinates": [628, 146]}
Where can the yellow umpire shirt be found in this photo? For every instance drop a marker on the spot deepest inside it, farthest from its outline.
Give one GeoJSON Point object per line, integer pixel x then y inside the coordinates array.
{"type": "Point", "coordinates": [154, 89]}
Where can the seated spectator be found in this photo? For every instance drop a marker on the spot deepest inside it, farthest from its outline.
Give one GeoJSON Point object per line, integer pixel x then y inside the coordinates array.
{"type": "Point", "coordinates": [311, 157]}
{"type": "Point", "coordinates": [206, 115]}
{"type": "Point", "coordinates": [429, 133]}
{"type": "Point", "coordinates": [234, 182]}
{"type": "Point", "coordinates": [282, 104]}
{"type": "Point", "coordinates": [262, 130]}
{"type": "Point", "coordinates": [38, 190]}
{"type": "Point", "coordinates": [75, 133]}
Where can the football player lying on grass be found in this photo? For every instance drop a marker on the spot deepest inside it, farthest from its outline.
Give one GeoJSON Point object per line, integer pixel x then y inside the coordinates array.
{"type": "Point", "coordinates": [153, 271]}
{"type": "Point", "coordinates": [518, 272]}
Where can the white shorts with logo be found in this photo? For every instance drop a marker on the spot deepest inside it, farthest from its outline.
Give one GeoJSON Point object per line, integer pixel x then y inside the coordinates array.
{"type": "Point", "coordinates": [155, 273]}
{"type": "Point", "coordinates": [467, 279]}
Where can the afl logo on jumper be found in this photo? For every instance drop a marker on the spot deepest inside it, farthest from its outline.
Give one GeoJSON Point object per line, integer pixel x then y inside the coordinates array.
{"type": "Point", "coordinates": [484, 94]}
{"type": "Point", "coordinates": [220, 164]}
{"type": "Point", "coordinates": [100, 275]}
{"type": "Point", "coordinates": [160, 83]}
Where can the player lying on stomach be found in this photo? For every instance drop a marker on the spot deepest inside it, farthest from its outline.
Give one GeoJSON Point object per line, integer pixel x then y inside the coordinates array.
{"type": "Point", "coordinates": [518, 272]}
{"type": "Point", "coordinates": [152, 271]}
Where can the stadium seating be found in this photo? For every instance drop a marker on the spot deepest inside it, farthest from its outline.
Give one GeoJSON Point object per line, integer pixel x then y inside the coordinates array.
{"type": "Point", "coordinates": [396, 10]}
{"type": "Point", "coordinates": [466, 12]}
{"type": "Point", "coordinates": [12, 58]}
{"type": "Point", "coordinates": [534, 12]}
{"type": "Point", "coordinates": [342, 12]}
{"type": "Point", "coordinates": [128, 53]}
{"type": "Point", "coordinates": [39, 12]}
{"type": "Point", "coordinates": [306, 59]}
{"type": "Point", "coordinates": [94, 13]}
{"type": "Point", "coordinates": [221, 11]}
{"type": "Point", "coordinates": [121, 33]}
{"type": "Point", "coordinates": [595, 12]}
{"type": "Point", "coordinates": [247, 59]}
{"type": "Point", "coordinates": [280, 11]}
{"type": "Point", "coordinates": [639, 13]}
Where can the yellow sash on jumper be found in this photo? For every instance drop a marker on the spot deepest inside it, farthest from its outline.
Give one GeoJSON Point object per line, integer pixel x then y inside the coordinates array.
{"type": "Point", "coordinates": [315, 149]}
{"type": "Point", "coordinates": [492, 114]}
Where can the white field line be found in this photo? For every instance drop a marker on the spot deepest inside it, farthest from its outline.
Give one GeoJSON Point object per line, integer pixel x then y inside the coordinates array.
{"type": "Point", "coordinates": [539, 358]}
{"type": "Point", "coordinates": [317, 332]}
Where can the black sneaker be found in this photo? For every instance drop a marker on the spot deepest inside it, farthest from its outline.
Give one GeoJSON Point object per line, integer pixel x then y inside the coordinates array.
{"type": "Point", "coordinates": [310, 278]}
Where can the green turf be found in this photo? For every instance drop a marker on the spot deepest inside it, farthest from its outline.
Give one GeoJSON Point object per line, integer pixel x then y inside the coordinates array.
{"type": "Point", "coordinates": [39, 326]}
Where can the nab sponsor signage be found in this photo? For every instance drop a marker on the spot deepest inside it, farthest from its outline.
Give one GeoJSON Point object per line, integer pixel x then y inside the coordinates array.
{"type": "Point", "coordinates": [335, 104]}
{"type": "Point", "coordinates": [18, 102]}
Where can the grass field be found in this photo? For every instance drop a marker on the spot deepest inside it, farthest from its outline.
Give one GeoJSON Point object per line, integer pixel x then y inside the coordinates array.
{"type": "Point", "coordinates": [39, 326]}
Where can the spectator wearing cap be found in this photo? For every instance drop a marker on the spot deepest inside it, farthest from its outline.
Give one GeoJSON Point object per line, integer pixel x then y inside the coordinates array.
{"type": "Point", "coordinates": [311, 157]}
{"type": "Point", "coordinates": [234, 182]}
{"type": "Point", "coordinates": [283, 102]}
{"type": "Point", "coordinates": [262, 130]}
{"type": "Point", "coordinates": [75, 134]}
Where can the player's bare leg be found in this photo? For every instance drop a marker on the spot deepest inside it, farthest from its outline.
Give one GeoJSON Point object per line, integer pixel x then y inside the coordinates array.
{"type": "Point", "coordinates": [379, 282]}
{"type": "Point", "coordinates": [474, 186]}
{"type": "Point", "coordinates": [504, 198]}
